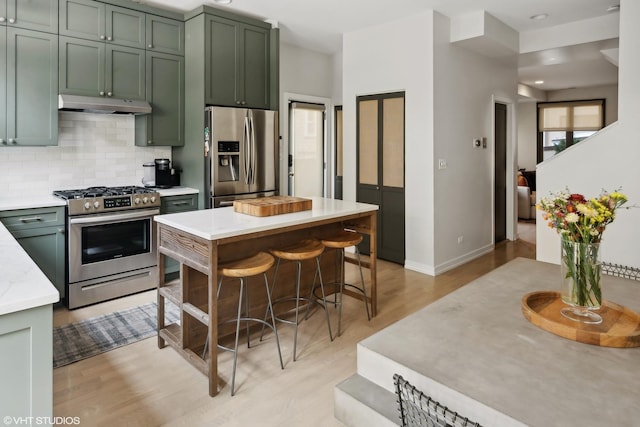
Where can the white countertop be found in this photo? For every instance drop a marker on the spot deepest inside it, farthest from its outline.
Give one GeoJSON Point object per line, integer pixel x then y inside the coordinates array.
{"type": "Point", "coordinates": [28, 202]}
{"type": "Point", "coordinates": [22, 284]}
{"type": "Point", "coordinates": [214, 224]}
{"type": "Point", "coordinates": [176, 191]}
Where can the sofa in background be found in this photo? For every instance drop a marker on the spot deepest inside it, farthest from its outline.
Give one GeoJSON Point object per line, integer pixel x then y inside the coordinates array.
{"type": "Point", "coordinates": [526, 203]}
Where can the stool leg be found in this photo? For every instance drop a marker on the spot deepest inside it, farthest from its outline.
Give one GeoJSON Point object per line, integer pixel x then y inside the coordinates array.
{"type": "Point", "coordinates": [273, 287]}
{"type": "Point", "coordinates": [364, 291]}
{"type": "Point", "coordinates": [341, 289]}
{"type": "Point", "coordinates": [273, 318]}
{"type": "Point", "coordinates": [295, 333]}
{"type": "Point", "coordinates": [324, 300]}
{"type": "Point", "coordinates": [235, 348]}
{"type": "Point", "coordinates": [246, 310]}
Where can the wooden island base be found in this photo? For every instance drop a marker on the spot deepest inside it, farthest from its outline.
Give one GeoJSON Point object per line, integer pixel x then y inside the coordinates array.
{"type": "Point", "coordinates": [194, 292]}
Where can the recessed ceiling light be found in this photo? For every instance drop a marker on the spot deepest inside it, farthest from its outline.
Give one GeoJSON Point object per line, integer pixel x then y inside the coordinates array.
{"type": "Point", "coordinates": [223, 1]}
{"type": "Point", "coordinates": [539, 16]}
{"type": "Point", "coordinates": [613, 8]}
{"type": "Point", "coordinates": [539, 82]}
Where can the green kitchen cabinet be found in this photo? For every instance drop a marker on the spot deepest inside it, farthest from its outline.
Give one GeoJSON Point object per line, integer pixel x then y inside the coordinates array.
{"type": "Point", "coordinates": [176, 204]}
{"type": "Point", "coordinates": [165, 92]}
{"type": "Point", "coordinates": [28, 87]}
{"type": "Point", "coordinates": [92, 20]}
{"type": "Point", "coordinates": [165, 35]}
{"type": "Point", "coordinates": [237, 63]}
{"type": "Point", "coordinates": [40, 232]}
{"type": "Point", "coordinates": [93, 68]}
{"type": "Point", "coordinates": [39, 15]}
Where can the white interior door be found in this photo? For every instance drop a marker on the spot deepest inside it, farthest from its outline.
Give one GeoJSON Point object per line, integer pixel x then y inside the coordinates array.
{"type": "Point", "coordinates": [307, 149]}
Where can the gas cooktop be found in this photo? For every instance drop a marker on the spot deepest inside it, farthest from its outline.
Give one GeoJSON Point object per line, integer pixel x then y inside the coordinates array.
{"type": "Point", "coordinates": [93, 200]}
{"type": "Point", "coordinates": [92, 192]}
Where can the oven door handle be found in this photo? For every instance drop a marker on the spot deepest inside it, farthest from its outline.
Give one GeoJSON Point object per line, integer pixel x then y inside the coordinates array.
{"type": "Point", "coordinates": [115, 217]}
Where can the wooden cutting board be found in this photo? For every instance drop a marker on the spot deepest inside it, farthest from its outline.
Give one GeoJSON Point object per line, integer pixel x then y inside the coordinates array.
{"type": "Point", "coordinates": [274, 205]}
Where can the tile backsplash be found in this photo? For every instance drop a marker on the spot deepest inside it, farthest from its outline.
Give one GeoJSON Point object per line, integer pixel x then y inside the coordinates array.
{"type": "Point", "coordinates": [93, 149]}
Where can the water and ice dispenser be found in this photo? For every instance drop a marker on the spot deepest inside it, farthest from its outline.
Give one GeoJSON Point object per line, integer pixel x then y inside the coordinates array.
{"type": "Point", "coordinates": [228, 160]}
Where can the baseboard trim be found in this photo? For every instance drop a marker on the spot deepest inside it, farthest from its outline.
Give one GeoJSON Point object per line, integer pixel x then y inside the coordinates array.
{"type": "Point", "coordinates": [456, 262]}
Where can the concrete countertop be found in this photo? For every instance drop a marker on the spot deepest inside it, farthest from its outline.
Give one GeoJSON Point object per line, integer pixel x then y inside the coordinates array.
{"type": "Point", "coordinates": [475, 352]}
{"type": "Point", "coordinates": [214, 224]}
{"type": "Point", "coordinates": [22, 284]}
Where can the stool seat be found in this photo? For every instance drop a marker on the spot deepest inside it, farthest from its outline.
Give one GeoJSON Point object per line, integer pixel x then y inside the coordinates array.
{"type": "Point", "coordinates": [254, 265]}
{"type": "Point", "coordinates": [305, 249]}
{"type": "Point", "coordinates": [343, 239]}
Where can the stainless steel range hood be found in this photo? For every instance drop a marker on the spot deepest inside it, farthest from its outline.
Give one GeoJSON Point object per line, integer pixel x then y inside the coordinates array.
{"type": "Point", "coordinates": [104, 105]}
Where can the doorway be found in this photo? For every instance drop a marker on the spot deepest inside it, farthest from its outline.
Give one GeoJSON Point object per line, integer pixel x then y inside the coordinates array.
{"type": "Point", "coordinates": [307, 166]}
{"type": "Point", "coordinates": [380, 168]}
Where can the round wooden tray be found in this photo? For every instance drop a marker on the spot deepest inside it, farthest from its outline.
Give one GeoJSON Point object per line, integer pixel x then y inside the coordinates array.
{"type": "Point", "coordinates": [620, 326]}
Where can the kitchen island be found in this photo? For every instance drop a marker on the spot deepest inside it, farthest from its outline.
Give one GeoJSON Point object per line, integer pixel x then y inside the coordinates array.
{"type": "Point", "coordinates": [199, 240]}
{"type": "Point", "coordinates": [26, 338]}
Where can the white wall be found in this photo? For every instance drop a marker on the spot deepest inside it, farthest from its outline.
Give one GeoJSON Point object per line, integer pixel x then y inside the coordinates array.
{"type": "Point", "coordinates": [92, 150]}
{"type": "Point", "coordinates": [307, 76]}
{"type": "Point", "coordinates": [607, 160]}
{"type": "Point", "coordinates": [440, 122]}
{"type": "Point", "coordinates": [397, 56]}
{"type": "Point", "coordinates": [465, 84]}
{"type": "Point", "coordinates": [527, 135]}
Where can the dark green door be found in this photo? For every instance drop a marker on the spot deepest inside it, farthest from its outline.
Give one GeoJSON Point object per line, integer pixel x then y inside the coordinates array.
{"type": "Point", "coordinates": [165, 35]}
{"type": "Point", "coordinates": [500, 208]}
{"type": "Point", "coordinates": [255, 66]}
{"type": "Point", "coordinates": [39, 15]}
{"type": "Point", "coordinates": [82, 67]}
{"type": "Point", "coordinates": [221, 62]}
{"type": "Point", "coordinates": [380, 168]}
{"type": "Point", "coordinates": [3, 87]}
{"type": "Point", "coordinates": [125, 72]}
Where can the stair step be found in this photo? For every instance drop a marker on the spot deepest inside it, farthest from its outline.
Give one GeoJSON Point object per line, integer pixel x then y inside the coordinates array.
{"type": "Point", "coordinates": [360, 403]}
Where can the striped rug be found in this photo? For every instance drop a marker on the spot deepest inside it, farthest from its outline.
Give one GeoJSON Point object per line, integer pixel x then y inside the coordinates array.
{"type": "Point", "coordinates": [90, 337]}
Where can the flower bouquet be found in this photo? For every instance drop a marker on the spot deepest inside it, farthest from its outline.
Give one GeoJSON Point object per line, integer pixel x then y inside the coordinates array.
{"type": "Point", "coordinates": [581, 223]}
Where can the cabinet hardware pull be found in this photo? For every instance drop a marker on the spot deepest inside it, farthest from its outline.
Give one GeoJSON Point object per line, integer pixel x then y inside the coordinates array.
{"type": "Point", "coordinates": [2, 141]}
{"type": "Point", "coordinates": [150, 46]}
{"type": "Point", "coordinates": [180, 203]}
{"type": "Point", "coordinates": [2, 19]}
{"type": "Point", "coordinates": [102, 37]}
{"type": "Point", "coordinates": [12, 21]}
{"type": "Point", "coordinates": [12, 141]}
{"type": "Point", "coordinates": [31, 219]}
{"type": "Point", "coordinates": [109, 94]}
{"type": "Point", "coordinates": [149, 142]}
{"type": "Point", "coordinates": [109, 38]}
{"type": "Point", "coordinates": [101, 93]}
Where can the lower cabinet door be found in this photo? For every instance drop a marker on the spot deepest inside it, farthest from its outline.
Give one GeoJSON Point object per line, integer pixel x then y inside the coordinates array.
{"type": "Point", "coordinates": [46, 246]}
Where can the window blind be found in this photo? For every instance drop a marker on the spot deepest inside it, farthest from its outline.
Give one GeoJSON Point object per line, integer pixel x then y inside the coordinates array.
{"type": "Point", "coordinates": [571, 116]}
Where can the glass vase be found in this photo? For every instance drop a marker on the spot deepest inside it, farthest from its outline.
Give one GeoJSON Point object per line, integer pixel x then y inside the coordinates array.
{"type": "Point", "coordinates": [581, 270]}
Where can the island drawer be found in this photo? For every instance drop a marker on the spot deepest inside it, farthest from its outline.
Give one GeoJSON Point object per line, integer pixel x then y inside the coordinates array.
{"type": "Point", "coordinates": [25, 219]}
{"type": "Point", "coordinates": [182, 203]}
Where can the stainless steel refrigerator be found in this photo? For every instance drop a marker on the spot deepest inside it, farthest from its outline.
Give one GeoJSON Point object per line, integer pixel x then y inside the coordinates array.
{"type": "Point", "coordinates": [241, 154]}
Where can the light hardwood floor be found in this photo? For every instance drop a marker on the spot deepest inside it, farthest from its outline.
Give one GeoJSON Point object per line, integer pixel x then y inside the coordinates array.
{"type": "Point", "coordinates": [141, 385]}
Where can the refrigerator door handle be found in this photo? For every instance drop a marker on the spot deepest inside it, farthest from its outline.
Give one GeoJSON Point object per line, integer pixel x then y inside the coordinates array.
{"type": "Point", "coordinates": [254, 148]}
{"type": "Point", "coordinates": [246, 147]}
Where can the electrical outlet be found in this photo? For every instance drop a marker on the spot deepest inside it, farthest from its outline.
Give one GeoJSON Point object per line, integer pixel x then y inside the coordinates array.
{"type": "Point", "coordinates": [442, 163]}
{"type": "Point", "coordinates": [460, 239]}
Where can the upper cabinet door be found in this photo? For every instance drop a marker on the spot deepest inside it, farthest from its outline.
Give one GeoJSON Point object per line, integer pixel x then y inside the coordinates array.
{"type": "Point", "coordinates": [125, 72]}
{"type": "Point", "coordinates": [40, 15]}
{"type": "Point", "coordinates": [125, 27]}
{"type": "Point", "coordinates": [3, 87]}
{"type": "Point", "coordinates": [255, 60]}
{"type": "Point", "coordinates": [83, 18]}
{"type": "Point", "coordinates": [82, 67]}
{"type": "Point", "coordinates": [221, 62]}
{"type": "Point", "coordinates": [32, 87]}
{"type": "Point", "coordinates": [165, 35]}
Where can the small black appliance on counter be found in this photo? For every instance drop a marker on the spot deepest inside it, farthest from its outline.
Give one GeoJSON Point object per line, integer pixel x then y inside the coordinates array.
{"type": "Point", "coordinates": [166, 176]}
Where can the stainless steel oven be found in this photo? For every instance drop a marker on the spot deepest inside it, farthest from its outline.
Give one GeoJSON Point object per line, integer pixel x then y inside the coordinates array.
{"type": "Point", "coordinates": [111, 247]}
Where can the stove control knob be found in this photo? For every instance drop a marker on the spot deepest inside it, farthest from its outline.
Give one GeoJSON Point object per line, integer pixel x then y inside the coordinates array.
{"type": "Point", "coordinates": [87, 205]}
{"type": "Point", "coordinates": [153, 199]}
{"type": "Point", "coordinates": [145, 200]}
{"type": "Point", "coordinates": [96, 204]}
{"type": "Point", "coordinates": [136, 200]}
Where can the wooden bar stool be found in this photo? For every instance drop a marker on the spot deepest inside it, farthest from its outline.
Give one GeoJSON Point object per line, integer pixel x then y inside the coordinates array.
{"type": "Point", "coordinates": [241, 269]}
{"type": "Point", "coordinates": [298, 252]}
{"type": "Point", "coordinates": [342, 240]}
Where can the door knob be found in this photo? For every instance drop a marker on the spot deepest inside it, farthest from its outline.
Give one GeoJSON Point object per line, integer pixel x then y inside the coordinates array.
{"type": "Point", "coordinates": [291, 173]}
